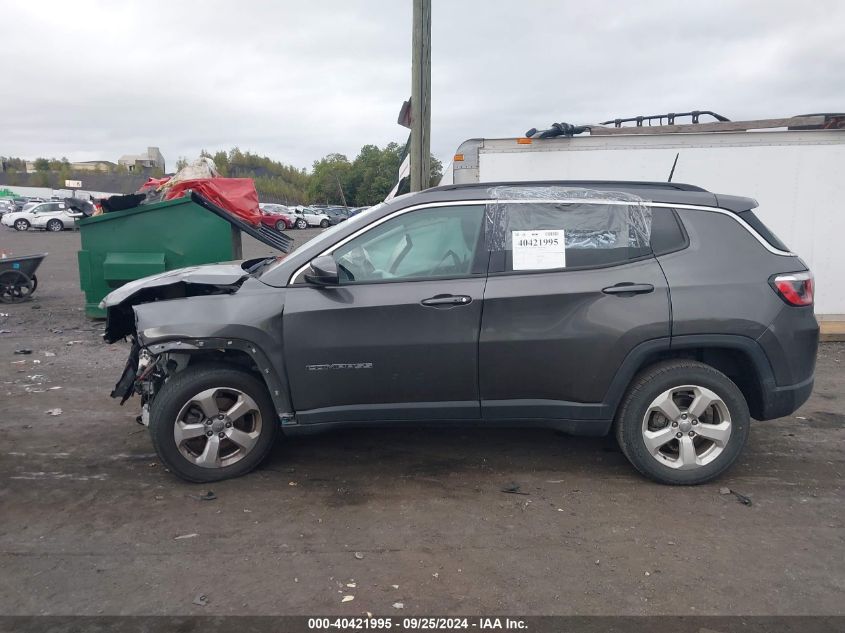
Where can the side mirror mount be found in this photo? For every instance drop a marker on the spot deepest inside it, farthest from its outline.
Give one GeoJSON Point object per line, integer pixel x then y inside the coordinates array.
{"type": "Point", "coordinates": [323, 271]}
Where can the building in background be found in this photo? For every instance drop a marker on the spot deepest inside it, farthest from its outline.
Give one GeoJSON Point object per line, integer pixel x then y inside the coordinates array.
{"type": "Point", "coordinates": [94, 165]}
{"type": "Point", "coordinates": [85, 165]}
{"type": "Point", "coordinates": [152, 159]}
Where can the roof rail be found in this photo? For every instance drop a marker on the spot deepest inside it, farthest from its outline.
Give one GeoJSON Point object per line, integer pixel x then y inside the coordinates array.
{"type": "Point", "coordinates": [627, 184]}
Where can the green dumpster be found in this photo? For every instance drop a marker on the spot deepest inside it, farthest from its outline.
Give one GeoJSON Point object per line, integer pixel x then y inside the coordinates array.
{"type": "Point", "coordinates": [126, 245]}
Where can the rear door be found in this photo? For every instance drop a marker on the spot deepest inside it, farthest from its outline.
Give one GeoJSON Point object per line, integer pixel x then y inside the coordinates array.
{"type": "Point", "coordinates": [398, 338]}
{"type": "Point", "coordinates": [573, 289]}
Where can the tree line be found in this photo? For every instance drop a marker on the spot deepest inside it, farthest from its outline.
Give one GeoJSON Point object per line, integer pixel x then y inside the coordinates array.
{"type": "Point", "coordinates": [334, 179]}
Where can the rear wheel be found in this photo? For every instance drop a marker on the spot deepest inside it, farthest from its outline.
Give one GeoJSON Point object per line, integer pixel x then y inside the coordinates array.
{"type": "Point", "coordinates": [21, 225]}
{"type": "Point", "coordinates": [212, 422]}
{"type": "Point", "coordinates": [55, 225]}
{"type": "Point", "coordinates": [682, 422]}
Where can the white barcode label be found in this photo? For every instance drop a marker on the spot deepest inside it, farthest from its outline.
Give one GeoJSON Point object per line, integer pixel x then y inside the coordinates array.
{"type": "Point", "coordinates": [538, 250]}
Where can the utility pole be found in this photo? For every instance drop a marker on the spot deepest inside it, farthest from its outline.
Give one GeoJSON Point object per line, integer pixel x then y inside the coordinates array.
{"type": "Point", "coordinates": [340, 187]}
{"type": "Point", "coordinates": [421, 96]}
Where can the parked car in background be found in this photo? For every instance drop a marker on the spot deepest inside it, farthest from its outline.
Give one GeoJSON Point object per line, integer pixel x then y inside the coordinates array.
{"type": "Point", "coordinates": [29, 206]}
{"type": "Point", "coordinates": [274, 218]}
{"type": "Point", "coordinates": [19, 202]}
{"type": "Point", "coordinates": [7, 205]}
{"type": "Point", "coordinates": [51, 216]}
{"type": "Point", "coordinates": [280, 209]}
{"type": "Point", "coordinates": [660, 312]}
{"type": "Point", "coordinates": [336, 214]}
{"type": "Point", "coordinates": [309, 216]}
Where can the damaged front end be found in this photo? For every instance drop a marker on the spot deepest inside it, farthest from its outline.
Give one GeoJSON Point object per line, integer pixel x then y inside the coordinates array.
{"type": "Point", "coordinates": [175, 284]}
{"type": "Point", "coordinates": [145, 372]}
{"type": "Point", "coordinates": [215, 313]}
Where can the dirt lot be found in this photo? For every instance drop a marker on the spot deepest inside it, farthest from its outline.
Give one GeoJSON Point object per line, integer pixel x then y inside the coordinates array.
{"type": "Point", "coordinates": [90, 523]}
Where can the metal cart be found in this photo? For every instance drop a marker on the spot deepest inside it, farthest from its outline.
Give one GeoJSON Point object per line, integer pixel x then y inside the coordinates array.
{"type": "Point", "coordinates": [17, 277]}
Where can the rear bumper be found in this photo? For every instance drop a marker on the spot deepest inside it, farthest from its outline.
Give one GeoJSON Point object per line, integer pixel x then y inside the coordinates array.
{"type": "Point", "coordinates": [781, 401]}
{"type": "Point", "coordinates": [790, 343]}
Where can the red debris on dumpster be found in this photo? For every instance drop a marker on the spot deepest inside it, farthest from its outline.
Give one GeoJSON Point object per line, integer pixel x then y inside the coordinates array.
{"type": "Point", "coordinates": [236, 195]}
{"type": "Point", "coordinates": [153, 183]}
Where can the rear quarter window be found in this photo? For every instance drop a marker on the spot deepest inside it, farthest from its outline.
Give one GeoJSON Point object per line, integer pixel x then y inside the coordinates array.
{"type": "Point", "coordinates": [755, 223]}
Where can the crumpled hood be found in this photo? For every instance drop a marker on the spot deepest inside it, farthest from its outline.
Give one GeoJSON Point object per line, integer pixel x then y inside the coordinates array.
{"type": "Point", "coordinates": [207, 275]}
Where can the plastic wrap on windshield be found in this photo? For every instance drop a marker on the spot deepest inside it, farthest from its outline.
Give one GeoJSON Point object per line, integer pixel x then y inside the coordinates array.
{"type": "Point", "coordinates": [590, 218]}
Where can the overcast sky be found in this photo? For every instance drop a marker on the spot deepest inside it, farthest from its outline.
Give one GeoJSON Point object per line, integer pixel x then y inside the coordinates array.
{"type": "Point", "coordinates": [296, 80]}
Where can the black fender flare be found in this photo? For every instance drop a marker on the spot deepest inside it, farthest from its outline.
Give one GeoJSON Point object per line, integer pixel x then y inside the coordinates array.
{"type": "Point", "coordinates": [277, 385]}
{"type": "Point", "coordinates": [650, 351]}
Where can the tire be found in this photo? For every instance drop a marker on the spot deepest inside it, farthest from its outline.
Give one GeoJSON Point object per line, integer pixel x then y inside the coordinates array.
{"type": "Point", "coordinates": [55, 225]}
{"type": "Point", "coordinates": [176, 401]}
{"type": "Point", "coordinates": [301, 224]}
{"type": "Point", "coordinates": [324, 224]}
{"type": "Point", "coordinates": [22, 225]}
{"type": "Point", "coordinates": [676, 385]}
{"type": "Point", "coordinates": [281, 226]}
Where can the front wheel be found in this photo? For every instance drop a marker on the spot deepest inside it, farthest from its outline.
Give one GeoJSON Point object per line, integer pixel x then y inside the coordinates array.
{"type": "Point", "coordinates": [21, 225]}
{"type": "Point", "coordinates": [682, 422]}
{"type": "Point", "coordinates": [324, 224]}
{"type": "Point", "coordinates": [301, 224]}
{"type": "Point", "coordinates": [212, 422]}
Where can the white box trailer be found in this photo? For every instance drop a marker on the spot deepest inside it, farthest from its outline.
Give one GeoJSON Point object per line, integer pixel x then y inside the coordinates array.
{"type": "Point", "coordinates": [796, 175]}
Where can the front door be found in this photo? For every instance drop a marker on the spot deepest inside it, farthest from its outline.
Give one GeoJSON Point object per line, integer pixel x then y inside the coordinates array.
{"type": "Point", "coordinates": [398, 338]}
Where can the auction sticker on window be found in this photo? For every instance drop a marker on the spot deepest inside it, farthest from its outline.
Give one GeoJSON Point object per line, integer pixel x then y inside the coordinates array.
{"type": "Point", "coordinates": [538, 250]}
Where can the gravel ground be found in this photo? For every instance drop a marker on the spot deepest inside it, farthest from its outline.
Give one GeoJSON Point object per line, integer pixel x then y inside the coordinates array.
{"type": "Point", "coordinates": [92, 524]}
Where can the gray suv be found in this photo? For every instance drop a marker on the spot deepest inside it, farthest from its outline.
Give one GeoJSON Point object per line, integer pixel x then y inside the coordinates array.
{"type": "Point", "coordinates": [659, 312]}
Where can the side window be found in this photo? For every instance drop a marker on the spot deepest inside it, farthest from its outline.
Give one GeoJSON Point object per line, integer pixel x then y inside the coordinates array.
{"type": "Point", "coordinates": [551, 235]}
{"type": "Point", "coordinates": [435, 242]}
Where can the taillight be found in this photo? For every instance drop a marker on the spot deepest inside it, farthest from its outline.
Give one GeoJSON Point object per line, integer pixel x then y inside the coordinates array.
{"type": "Point", "coordinates": [794, 288]}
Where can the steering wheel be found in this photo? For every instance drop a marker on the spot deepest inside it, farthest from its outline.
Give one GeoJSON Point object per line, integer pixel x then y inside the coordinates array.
{"type": "Point", "coordinates": [357, 264]}
{"type": "Point", "coordinates": [450, 253]}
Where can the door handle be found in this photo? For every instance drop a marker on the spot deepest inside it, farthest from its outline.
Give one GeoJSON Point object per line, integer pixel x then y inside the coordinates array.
{"type": "Point", "coordinates": [444, 301]}
{"type": "Point", "coordinates": [628, 289]}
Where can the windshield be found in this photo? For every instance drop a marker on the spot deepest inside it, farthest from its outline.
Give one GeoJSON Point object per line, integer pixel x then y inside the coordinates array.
{"type": "Point", "coordinates": [329, 235]}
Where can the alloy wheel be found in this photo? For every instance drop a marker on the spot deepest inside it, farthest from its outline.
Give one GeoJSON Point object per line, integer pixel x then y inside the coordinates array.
{"type": "Point", "coordinates": [686, 427]}
{"type": "Point", "coordinates": [217, 427]}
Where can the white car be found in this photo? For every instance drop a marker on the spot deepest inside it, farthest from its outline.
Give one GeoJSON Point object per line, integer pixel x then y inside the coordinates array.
{"type": "Point", "coordinates": [51, 216]}
{"type": "Point", "coordinates": [306, 216]}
